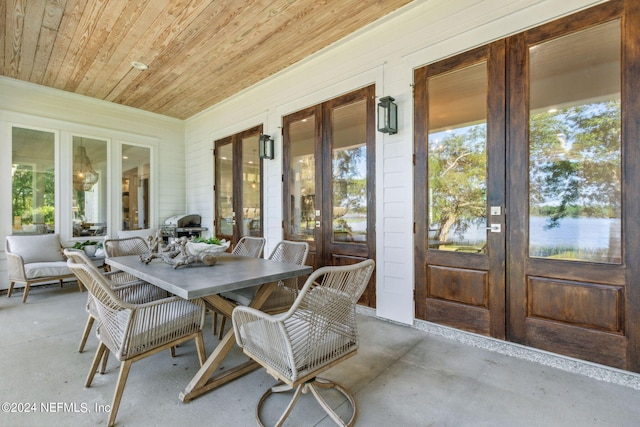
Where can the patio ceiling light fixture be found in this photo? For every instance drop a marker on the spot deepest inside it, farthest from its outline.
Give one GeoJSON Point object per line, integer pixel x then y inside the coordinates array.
{"type": "Point", "coordinates": [139, 65]}
{"type": "Point", "coordinates": [387, 116]}
{"type": "Point", "coordinates": [265, 147]}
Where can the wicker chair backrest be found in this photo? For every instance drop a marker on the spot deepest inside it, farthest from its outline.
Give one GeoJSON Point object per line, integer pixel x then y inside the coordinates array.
{"type": "Point", "coordinates": [249, 246]}
{"type": "Point", "coordinates": [290, 252]}
{"type": "Point", "coordinates": [126, 246]}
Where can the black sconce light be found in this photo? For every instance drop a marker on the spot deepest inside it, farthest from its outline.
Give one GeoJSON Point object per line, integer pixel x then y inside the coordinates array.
{"type": "Point", "coordinates": [265, 147]}
{"type": "Point", "coordinates": [387, 116]}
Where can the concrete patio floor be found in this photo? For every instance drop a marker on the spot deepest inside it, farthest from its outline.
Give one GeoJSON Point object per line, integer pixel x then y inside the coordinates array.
{"type": "Point", "coordinates": [402, 376]}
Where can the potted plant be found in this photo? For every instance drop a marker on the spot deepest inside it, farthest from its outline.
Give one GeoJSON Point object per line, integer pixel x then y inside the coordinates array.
{"type": "Point", "coordinates": [88, 246]}
{"type": "Point", "coordinates": [211, 245]}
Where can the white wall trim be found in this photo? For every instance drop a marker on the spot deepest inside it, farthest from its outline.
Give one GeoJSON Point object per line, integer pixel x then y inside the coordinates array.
{"type": "Point", "coordinates": [70, 98]}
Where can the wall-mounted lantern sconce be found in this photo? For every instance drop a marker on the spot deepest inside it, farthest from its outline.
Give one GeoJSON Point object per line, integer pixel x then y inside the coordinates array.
{"type": "Point", "coordinates": [387, 116]}
{"type": "Point", "coordinates": [265, 147]}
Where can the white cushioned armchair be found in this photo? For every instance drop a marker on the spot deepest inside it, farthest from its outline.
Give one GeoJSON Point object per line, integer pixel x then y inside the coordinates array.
{"type": "Point", "coordinates": [36, 259]}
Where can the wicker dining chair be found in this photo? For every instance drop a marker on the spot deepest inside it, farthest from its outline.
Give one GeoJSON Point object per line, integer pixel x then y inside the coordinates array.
{"type": "Point", "coordinates": [128, 287]}
{"type": "Point", "coordinates": [246, 246]}
{"type": "Point", "coordinates": [285, 293]}
{"type": "Point", "coordinates": [249, 246]}
{"type": "Point", "coordinates": [134, 331]}
{"type": "Point", "coordinates": [316, 333]}
{"type": "Point", "coordinates": [126, 246]}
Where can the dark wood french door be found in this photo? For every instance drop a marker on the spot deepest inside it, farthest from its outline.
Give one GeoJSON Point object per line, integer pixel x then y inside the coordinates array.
{"type": "Point", "coordinates": [460, 202]}
{"type": "Point", "coordinates": [238, 186]}
{"type": "Point", "coordinates": [329, 180]}
{"type": "Point", "coordinates": [527, 219]}
{"type": "Point", "coordinates": [573, 149]}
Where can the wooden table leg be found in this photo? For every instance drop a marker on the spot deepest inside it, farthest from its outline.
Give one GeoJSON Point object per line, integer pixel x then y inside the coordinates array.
{"type": "Point", "coordinates": [204, 380]}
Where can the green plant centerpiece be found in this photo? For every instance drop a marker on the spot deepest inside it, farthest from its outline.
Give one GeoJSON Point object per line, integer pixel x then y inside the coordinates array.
{"type": "Point", "coordinates": [88, 246]}
{"type": "Point", "coordinates": [209, 240]}
{"type": "Point", "coordinates": [210, 245]}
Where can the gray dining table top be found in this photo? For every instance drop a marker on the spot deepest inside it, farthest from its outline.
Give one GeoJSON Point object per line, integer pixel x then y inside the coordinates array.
{"type": "Point", "coordinates": [231, 272]}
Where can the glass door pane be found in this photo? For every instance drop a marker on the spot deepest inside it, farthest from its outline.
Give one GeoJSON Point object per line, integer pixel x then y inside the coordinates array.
{"type": "Point", "coordinates": [349, 172]}
{"type": "Point", "coordinates": [224, 191]}
{"type": "Point", "coordinates": [33, 181]}
{"type": "Point", "coordinates": [251, 215]}
{"type": "Point", "coordinates": [457, 160]}
{"type": "Point", "coordinates": [89, 203]}
{"type": "Point", "coordinates": [136, 169]}
{"type": "Point", "coordinates": [302, 179]}
{"type": "Point", "coordinates": [574, 147]}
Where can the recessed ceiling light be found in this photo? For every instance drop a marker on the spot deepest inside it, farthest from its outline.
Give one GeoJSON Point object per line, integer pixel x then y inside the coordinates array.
{"type": "Point", "coordinates": [139, 65]}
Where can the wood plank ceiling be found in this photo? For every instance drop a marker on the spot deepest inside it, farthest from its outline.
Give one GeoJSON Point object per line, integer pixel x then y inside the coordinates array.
{"type": "Point", "coordinates": [199, 52]}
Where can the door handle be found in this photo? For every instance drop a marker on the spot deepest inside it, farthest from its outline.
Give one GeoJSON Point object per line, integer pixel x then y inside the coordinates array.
{"type": "Point", "coordinates": [495, 228]}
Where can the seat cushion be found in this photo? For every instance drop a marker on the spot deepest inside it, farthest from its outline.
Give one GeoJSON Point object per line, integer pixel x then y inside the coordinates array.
{"type": "Point", "coordinates": [38, 248]}
{"type": "Point", "coordinates": [281, 297]}
{"type": "Point", "coordinates": [242, 296]}
{"type": "Point", "coordinates": [46, 269]}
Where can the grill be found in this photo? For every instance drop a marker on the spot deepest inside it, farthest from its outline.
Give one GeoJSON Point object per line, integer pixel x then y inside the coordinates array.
{"type": "Point", "coordinates": [182, 225]}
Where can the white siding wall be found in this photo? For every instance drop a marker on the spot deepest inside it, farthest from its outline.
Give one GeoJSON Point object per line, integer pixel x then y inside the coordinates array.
{"type": "Point", "coordinates": [384, 53]}
{"type": "Point", "coordinates": [30, 105]}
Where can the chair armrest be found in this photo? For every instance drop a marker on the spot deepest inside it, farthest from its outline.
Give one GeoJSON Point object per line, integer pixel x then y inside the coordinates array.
{"type": "Point", "coordinates": [15, 264]}
{"type": "Point", "coordinates": [243, 315]}
{"type": "Point", "coordinates": [250, 312]}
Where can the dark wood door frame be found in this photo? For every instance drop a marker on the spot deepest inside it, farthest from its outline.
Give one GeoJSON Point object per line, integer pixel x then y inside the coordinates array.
{"type": "Point", "coordinates": [324, 251]}
{"type": "Point", "coordinates": [365, 250]}
{"type": "Point", "coordinates": [236, 142]}
{"type": "Point", "coordinates": [611, 290]}
{"type": "Point", "coordinates": [631, 173]}
{"type": "Point", "coordinates": [480, 276]}
{"type": "Point", "coordinates": [317, 244]}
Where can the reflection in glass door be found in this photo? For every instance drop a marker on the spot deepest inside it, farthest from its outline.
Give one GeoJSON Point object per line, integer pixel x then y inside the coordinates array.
{"type": "Point", "coordinates": [329, 180]}
{"type": "Point", "coordinates": [457, 160]}
{"type": "Point", "coordinates": [33, 181]}
{"type": "Point", "coordinates": [302, 179]}
{"type": "Point", "coordinates": [238, 186]}
{"type": "Point", "coordinates": [89, 203]}
{"type": "Point", "coordinates": [225, 216]}
{"type": "Point", "coordinates": [251, 194]}
{"type": "Point", "coordinates": [136, 172]}
{"type": "Point", "coordinates": [349, 176]}
{"type": "Point", "coordinates": [575, 147]}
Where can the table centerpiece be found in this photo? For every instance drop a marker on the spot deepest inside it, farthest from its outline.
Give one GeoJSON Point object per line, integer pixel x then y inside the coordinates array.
{"type": "Point", "coordinates": [185, 251]}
